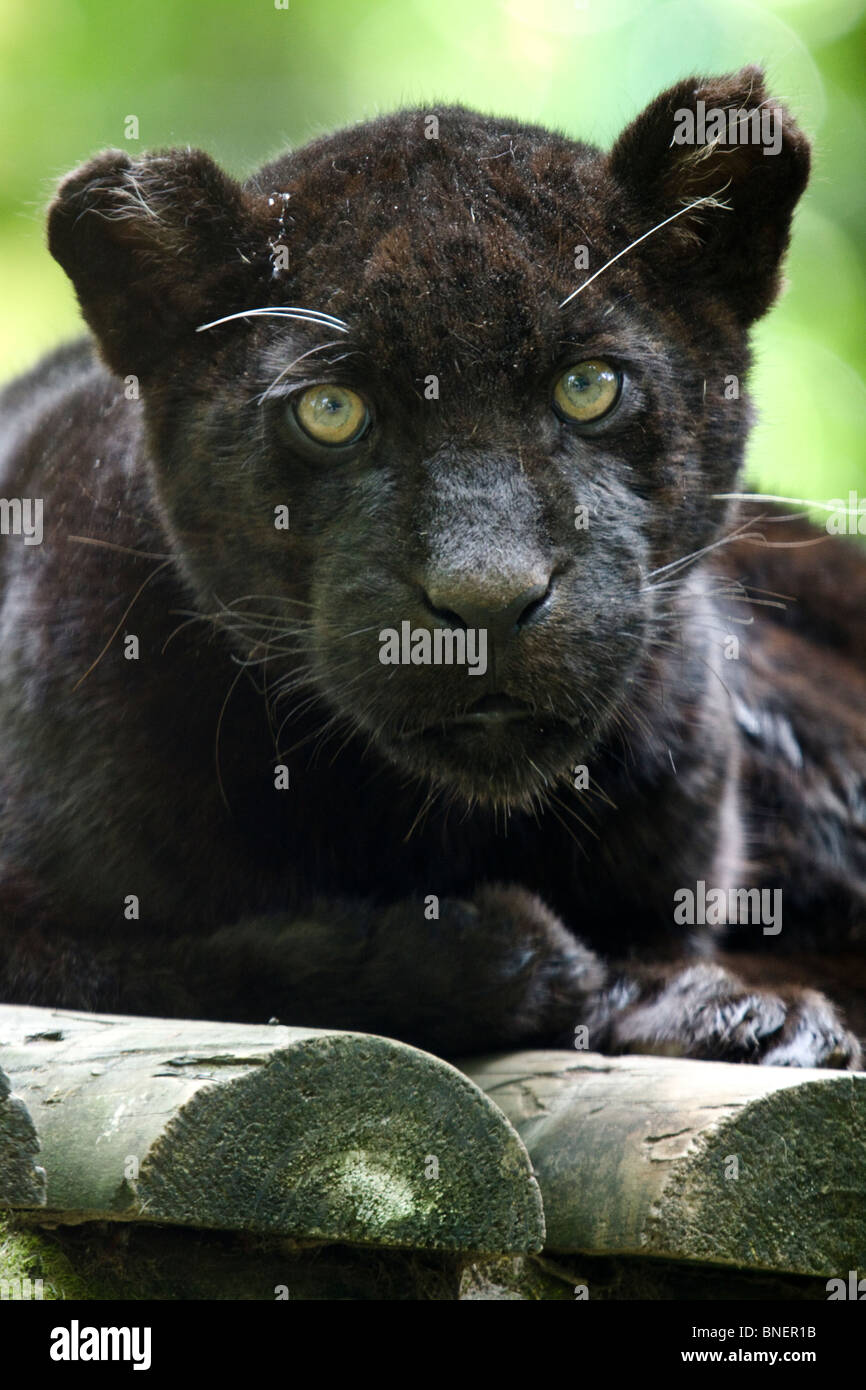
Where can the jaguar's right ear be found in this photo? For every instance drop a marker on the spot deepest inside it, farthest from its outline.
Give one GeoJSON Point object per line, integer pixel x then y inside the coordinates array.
{"type": "Point", "coordinates": [717, 167]}
{"type": "Point", "coordinates": [156, 246]}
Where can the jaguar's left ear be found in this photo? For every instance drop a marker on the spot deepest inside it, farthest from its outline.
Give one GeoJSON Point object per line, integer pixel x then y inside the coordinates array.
{"type": "Point", "coordinates": [724, 141]}
{"type": "Point", "coordinates": [155, 246]}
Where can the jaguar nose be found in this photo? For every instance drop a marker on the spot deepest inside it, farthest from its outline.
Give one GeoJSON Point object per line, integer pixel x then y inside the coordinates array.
{"type": "Point", "coordinates": [502, 607]}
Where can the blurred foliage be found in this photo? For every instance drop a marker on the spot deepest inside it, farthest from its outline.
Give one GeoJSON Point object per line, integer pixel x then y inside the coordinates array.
{"type": "Point", "coordinates": [244, 78]}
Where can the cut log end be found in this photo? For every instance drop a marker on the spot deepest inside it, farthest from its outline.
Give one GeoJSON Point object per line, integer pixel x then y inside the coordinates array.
{"type": "Point", "coordinates": [760, 1168]}
{"type": "Point", "coordinates": [317, 1136]}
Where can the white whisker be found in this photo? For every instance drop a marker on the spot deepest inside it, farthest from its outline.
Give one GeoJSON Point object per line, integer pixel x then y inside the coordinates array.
{"type": "Point", "coordinates": [712, 198]}
{"type": "Point", "coordinates": [320, 347]}
{"type": "Point", "coordinates": [704, 550]}
{"type": "Point", "coordinates": [281, 312]}
{"type": "Point", "coordinates": [796, 501]}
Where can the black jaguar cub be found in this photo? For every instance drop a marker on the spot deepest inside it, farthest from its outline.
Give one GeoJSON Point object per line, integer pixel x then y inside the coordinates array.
{"type": "Point", "coordinates": [389, 658]}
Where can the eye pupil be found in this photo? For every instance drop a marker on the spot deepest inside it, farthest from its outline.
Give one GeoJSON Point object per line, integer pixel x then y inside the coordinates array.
{"type": "Point", "coordinates": [586, 391]}
{"type": "Point", "coordinates": [332, 415]}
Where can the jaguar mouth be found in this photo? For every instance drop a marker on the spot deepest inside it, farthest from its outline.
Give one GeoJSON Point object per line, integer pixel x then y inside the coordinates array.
{"type": "Point", "coordinates": [492, 710]}
{"type": "Point", "coordinates": [498, 751]}
{"type": "Point", "coordinates": [492, 714]}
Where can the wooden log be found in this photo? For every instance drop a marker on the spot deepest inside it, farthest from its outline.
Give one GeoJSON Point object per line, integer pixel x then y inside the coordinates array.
{"type": "Point", "coordinates": [22, 1181]}
{"type": "Point", "coordinates": [763, 1168]}
{"type": "Point", "coordinates": [319, 1136]}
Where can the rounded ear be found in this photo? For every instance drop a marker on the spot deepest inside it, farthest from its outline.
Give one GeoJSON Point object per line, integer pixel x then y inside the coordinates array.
{"type": "Point", "coordinates": [154, 247]}
{"type": "Point", "coordinates": [723, 145]}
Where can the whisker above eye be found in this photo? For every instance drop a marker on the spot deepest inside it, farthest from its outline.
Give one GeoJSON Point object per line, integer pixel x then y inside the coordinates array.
{"type": "Point", "coordinates": [286, 311]}
{"type": "Point", "coordinates": [320, 347]}
{"type": "Point", "coordinates": [710, 199]}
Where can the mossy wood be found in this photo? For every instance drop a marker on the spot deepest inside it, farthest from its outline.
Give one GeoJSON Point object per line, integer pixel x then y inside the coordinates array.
{"type": "Point", "coordinates": [318, 1136]}
{"type": "Point", "coordinates": [762, 1168]}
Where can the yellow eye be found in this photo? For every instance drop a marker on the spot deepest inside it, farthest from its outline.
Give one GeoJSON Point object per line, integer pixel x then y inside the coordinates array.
{"type": "Point", "coordinates": [586, 391]}
{"type": "Point", "coordinates": [332, 414]}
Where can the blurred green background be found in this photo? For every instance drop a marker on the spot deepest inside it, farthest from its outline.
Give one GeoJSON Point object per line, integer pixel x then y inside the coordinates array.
{"type": "Point", "coordinates": [244, 78]}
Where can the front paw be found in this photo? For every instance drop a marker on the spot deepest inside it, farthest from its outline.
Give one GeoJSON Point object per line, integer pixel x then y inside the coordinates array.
{"type": "Point", "coordinates": [705, 1012]}
{"type": "Point", "coordinates": [502, 971]}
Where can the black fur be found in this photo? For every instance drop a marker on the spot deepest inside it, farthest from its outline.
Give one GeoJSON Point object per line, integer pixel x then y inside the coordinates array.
{"type": "Point", "coordinates": [448, 258]}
